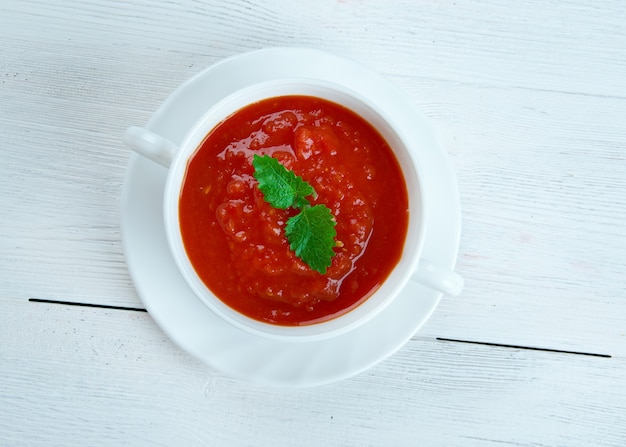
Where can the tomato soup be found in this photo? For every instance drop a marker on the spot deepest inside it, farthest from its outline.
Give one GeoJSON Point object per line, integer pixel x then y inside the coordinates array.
{"type": "Point", "coordinates": [235, 240]}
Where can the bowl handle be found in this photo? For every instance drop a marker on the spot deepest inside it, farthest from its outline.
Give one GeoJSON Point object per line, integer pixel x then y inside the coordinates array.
{"type": "Point", "coordinates": [150, 145]}
{"type": "Point", "coordinates": [430, 275]}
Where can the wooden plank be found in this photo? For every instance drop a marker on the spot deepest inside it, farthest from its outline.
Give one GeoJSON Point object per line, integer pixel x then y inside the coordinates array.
{"type": "Point", "coordinates": [542, 189]}
{"type": "Point", "coordinates": [76, 375]}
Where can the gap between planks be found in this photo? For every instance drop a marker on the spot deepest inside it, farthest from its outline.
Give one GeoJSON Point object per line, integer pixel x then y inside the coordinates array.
{"type": "Point", "coordinates": [443, 339]}
{"type": "Point", "coordinates": [99, 306]}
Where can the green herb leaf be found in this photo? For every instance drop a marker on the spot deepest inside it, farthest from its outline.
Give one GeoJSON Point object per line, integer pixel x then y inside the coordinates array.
{"type": "Point", "coordinates": [281, 188]}
{"type": "Point", "coordinates": [311, 235]}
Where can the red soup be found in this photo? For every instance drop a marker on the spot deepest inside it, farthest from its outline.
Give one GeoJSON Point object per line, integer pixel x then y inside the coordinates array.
{"type": "Point", "coordinates": [235, 240]}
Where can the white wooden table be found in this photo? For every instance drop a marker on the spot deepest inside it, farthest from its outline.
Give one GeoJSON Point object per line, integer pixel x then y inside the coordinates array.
{"type": "Point", "coordinates": [529, 101]}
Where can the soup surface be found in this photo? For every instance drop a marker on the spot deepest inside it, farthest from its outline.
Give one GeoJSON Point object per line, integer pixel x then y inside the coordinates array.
{"type": "Point", "coordinates": [235, 240]}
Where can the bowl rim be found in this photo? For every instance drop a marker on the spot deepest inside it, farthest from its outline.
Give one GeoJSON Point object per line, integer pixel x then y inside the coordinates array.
{"type": "Point", "coordinates": [407, 160]}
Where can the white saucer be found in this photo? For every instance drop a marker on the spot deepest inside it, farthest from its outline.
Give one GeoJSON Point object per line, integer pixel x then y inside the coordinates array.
{"type": "Point", "coordinates": [193, 326]}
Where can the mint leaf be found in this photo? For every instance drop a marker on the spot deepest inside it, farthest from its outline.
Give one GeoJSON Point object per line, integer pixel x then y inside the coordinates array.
{"type": "Point", "coordinates": [281, 188]}
{"type": "Point", "coordinates": [311, 235]}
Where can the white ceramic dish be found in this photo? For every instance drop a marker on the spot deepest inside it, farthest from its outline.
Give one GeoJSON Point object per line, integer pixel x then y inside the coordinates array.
{"type": "Point", "coordinates": [192, 325]}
